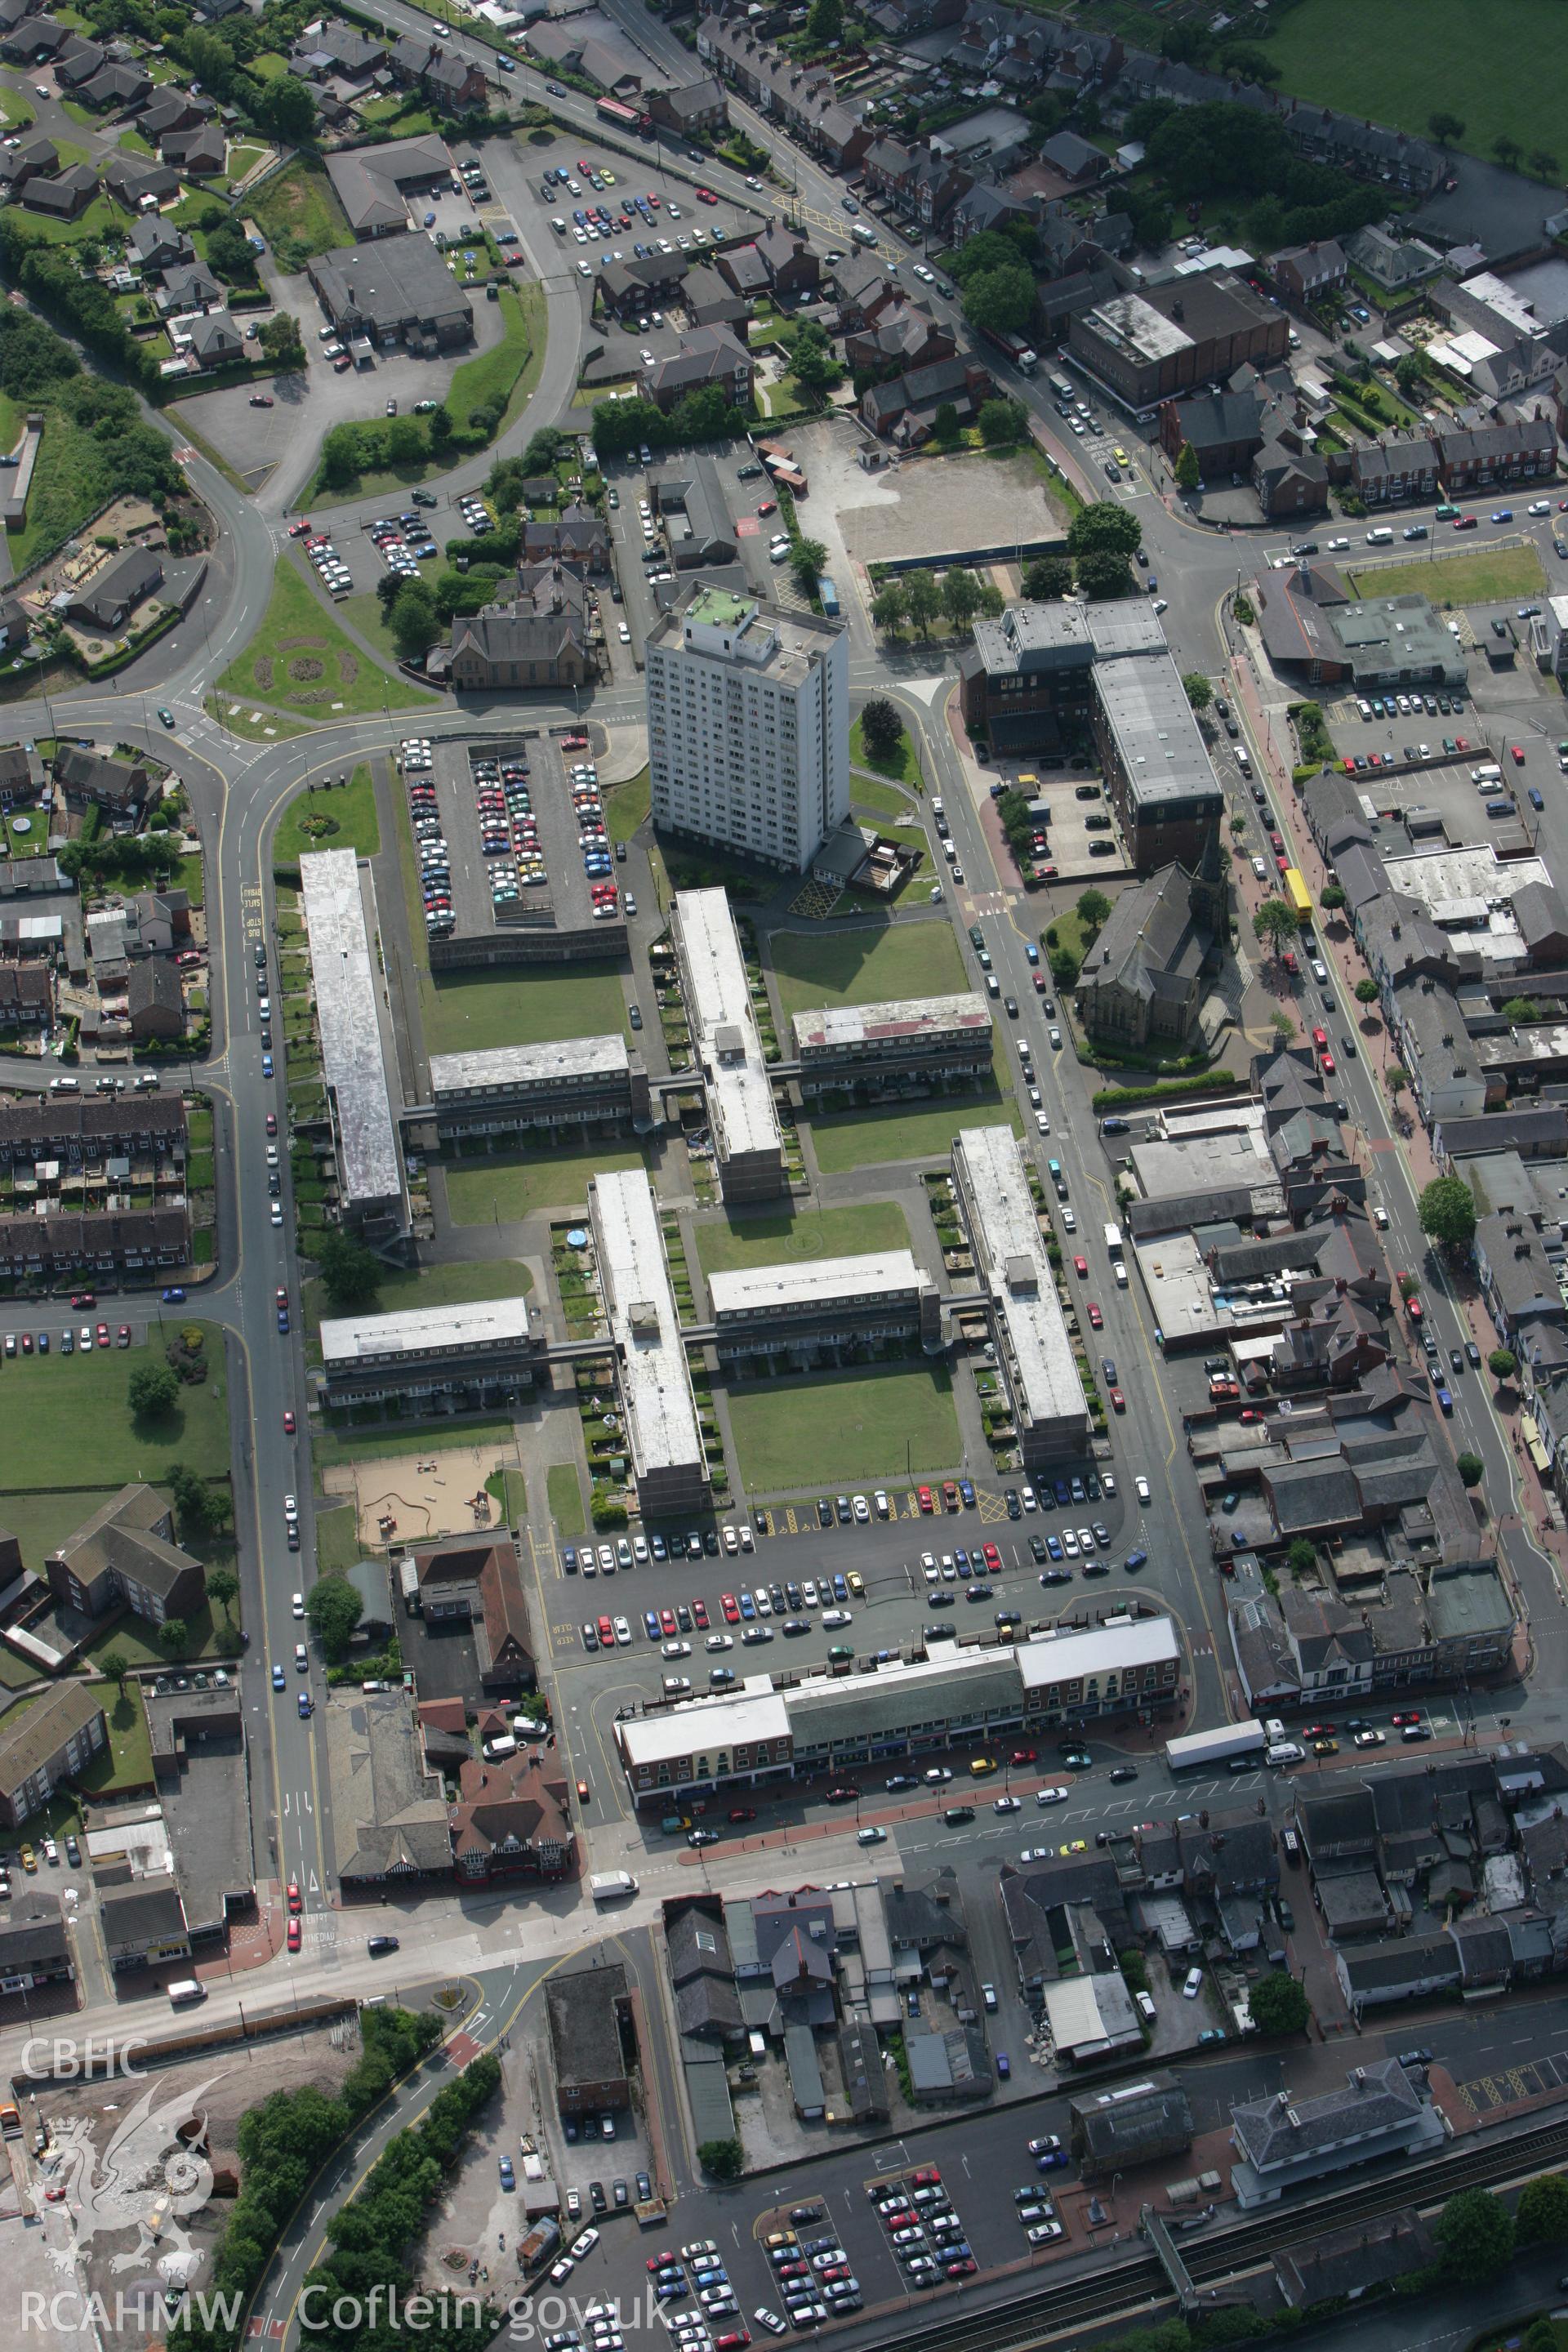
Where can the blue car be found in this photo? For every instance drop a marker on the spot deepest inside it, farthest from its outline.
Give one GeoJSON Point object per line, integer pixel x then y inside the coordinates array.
{"type": "Point", "coordinates": [748, 1606]}
{"type": "Point", "coordinates": [1136, 1559]}
{"type": "Point", "coordinates": [1054, 1546]}
{"type": "Point", "coordinates": [278, 1678]}
{"type": "Point", "coordinates": [650, 1623]}
{"type": "Point", "coordinates": [175, 1296]}
{"type": "Point", "coordinates": [307, 1705]}
{"type": "Point", "coordinates": [282, 1319]}
{"type": "Point", "coordinates": [267, 1065]}
{"type": "Point", "coordinates": [840, 1590]}
{"type": "Point", "coordinates": [966, 1492]}
{"type": "Point", "coordinates": [1063, 1493]}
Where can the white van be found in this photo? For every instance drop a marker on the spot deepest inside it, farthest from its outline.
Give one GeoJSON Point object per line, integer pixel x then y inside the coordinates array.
{"type": "Point", "coordinates": [496, 1750]}
{"type": "Point", "coordinates": [186, 1991]}
{"type": "Point", "coordinates": [610, 1886]}
{"type": "Point", "coordinates": [1381, 537]}
{"type": "Point", "coordinates": [1145, 2007]}
{"type": "Point", "coordinates": [1283, 1751]}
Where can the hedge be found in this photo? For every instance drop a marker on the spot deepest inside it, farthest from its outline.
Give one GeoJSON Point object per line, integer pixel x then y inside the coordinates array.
{"type": "Point", "coordinates": [1163, 1090]}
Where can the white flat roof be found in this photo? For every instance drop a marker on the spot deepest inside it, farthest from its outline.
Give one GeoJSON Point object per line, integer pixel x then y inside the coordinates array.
{"type": "Point", "coordinates": [740, 1093]}
{"type": "Point", "coordinates": [525, 1066]}
{"type": "Point", "coordinates": [1070, 1654]}
{"type": "Point", "coordinates": [1046, 1374]}
{"type": "Point", "coordinates": [656, 1382]}
{"type": "Point", "coordinates": [878, 1273]}
{"type": "Point", "coordinates": [910, 1016]}
{"type": "Point", "coordinates": [701, 1725]}
{"type": "Point", "coordinates": [352, 1061]}
{"type": "Point", "coordinates": [349, 1339]}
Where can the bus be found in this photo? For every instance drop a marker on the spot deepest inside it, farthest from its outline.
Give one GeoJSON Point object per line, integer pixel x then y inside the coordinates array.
{"type": "Point", "coordinates": [1299, 895]}
{"type": "Point", "coordinates": [1211, 1748]}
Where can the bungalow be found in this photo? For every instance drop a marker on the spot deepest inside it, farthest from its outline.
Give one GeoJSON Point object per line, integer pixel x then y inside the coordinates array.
{"type": "Point", "coordinates": [339, 49]}
{"type": "Point", "coordinates": [116, 85]}
{"type": "Point", "coordinates": [63, 197]}
{"type": "Point", "coordinates": [1075, 160]}
{"type": "Point", "coordinates": [133, 180]}
{"type": "Point", "coordinates": [40, 155]}
{"type": "Point", "coordinates": [216, 340]}
{"type": "Point", "coordinates": [110, 598]}
{"type": "Point", "coordinates": [157, 247]}
{"type": "Point", "coordinates": [172, 109]}
{"type": "Point", "coordinates": [188, 286]}
{"type": "Point", "coordinates": [35, 40]}
{"type": "Point", "coordinates": [77, 62]}
{"type": "Point", "coordinates": [201, 152]}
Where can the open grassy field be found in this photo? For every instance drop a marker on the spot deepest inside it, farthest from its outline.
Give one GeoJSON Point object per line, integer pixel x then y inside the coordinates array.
{"type": "Point", "coordinates": [731, 1243]}
{"type": "Point", "coordinates": [67, 1416]}
{"type": "Point", "coordinates": [866, 1139]}
{"type": "Point", "coordinates": [336, 1445]}
{"type": "Point", "coordinates": [830, 1428]}
{"type": "Point", "coordinates": [1487, 576]}
{"type": "Point", "coordinates": [351, 810]}
{"type": "Point", "coordinates": [505, 374]}
{"type": "Point", "coordinates": [867, 966]}
{"type": "Point", "coordinates": [298, 214]}
{"type": "Point", "coordinates": [904, 766]}
{"type": "Point", "coordinates": [565, 1492]}
{"type": "Point", "coordinates": [625, 805]}
{"type": "Point", "coordinates": [469, 1016]}
{"type": "Point", "coordinates": [300, 660]}
{"type": "Point", "coordinates": [1405, 59]}
{"type": "Point", "coordinates": [501, 1186]}
{"type": "Point", "coordinates": [452, 1285]}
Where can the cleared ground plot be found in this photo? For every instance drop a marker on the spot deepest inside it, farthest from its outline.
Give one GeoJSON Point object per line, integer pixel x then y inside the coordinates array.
{"type": "Point", "coordinates": [565, 1492]}
{"type": "Point", "coordinates": [933, 507]}
{"type": "Point", "coordinates": [844, 1425]}
{"type": "Point", "coordinates": [1487, 576]}
{"type": "Point", "coordinates": [870, 1138]}
{"type": "Point", "coordinates": [504, 1186]}
{"type": "Point", "coordinates": [869, 966]}
{"type": "Point", "coordinates": [732, 1243]}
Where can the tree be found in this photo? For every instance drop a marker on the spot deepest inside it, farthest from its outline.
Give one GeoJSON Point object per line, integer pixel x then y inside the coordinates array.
{"type": "Point", "coordinates": [285, 107]}
{"type": "Point", "coordinates": [1471, 1469]}
{"type": "Point", "coordinates": [1507, 151]}
{"type": "Point", "coordinates": [1543, 163]}
{"type": "Point", "coordinates": [1475, 2231]}
{"type": "Point", "coordinates": [413, 620]}
{"type": "Point", "coordinates": [1397, 1079]}
{"type": "Point", "coordinates": [173, 1635]}
{"type": "Point", "coordinates": [150, 1391]}
{"type": "Point", "coordinates": [1367, 991]}
{"type": "Point", "coordinates": [826, 22]}
{"type": "Point", "coordinates": [889, 607]}
{"type": "Point", "coordinates": [200, 1507]}
{"type": "Point", "coordinates": [1103, 572]}
{"type": "Point", "coordinates": [1002, 301]}
{"type": "Point", "coordinates": [1521, 1008]}
{"type": "Point", "coordinates": [1093, 911]}
{"type": "Point", "coordinates": [808, 562]}
{"type": "Point", "coordinates": [813, 362]}
{"type": "Point", "coordinates": [1410, 373]}
{"type": "Point", "coordinates": [1105, 525]}
{"type": "Point", "coordinates": [114, 1665]}
{"type": "Point", "coordinates": [881, 728]}
{"type": "Point", "coordinates": [1001, 422]}
{"type": "Point", "coordinates": [223, 1586]}
{"type": "Point", "coordinates": [960, 596]}
{"type": "Point", "coordinates": [1541, 2216]}
{"type": "Point", "coordinates": [1446, 1210]}
{"type": "Point", "coordinates": [1241, 605]}
{"type": "Point", "coordinates": [350, 1275]}
{"type": "Point", "coordinates": [1279, 2004]}
{"type": "Point", "coordinates": [1200, 689]}
{"type": "Point", "coordinates": [1333, 897]}
{"type": "Point", "coordinates": [1302, 1557]}
{"type": "Point", "coordinates": [1047, 577]}
{"type": "Point", "coordinates": [723, 2160]}
{"type": "Point", "coordinates": [334, 1608]}
{"type": "Point", "coordinates": [1189, 473]}
{"type": "Point", "coordinates": [1247, 64]}
{"type": "Point", "coordinates": [1502, 1363]}
{"type": "Point", "coordinates": [944, 424]}
{"type": "Point", "coordinates": [1284, 1028]}
{"type": "Point", "coordinates": [1448, 130]}
{"type": "Point", "coordinates": [921, 601]}
{"type": "Point", "coordinates": [1275, 925]}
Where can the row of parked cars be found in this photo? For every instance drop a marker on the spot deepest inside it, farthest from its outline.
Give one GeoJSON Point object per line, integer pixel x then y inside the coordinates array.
{"type": "Point", "coordinates": [598, 861]}
{"type": "Point", "coordinates": [509, 831]}
{"type": "Point", "coordinates": [402, 542]}
{"type": "Point", "coordinates": [85, 1338]}
{"type": "Point", "coordinates": [429, 841]}
{"type": "Point", "coordinates": [812, 2276]}
{"type": "Point", "coordinates": [926, 2235]}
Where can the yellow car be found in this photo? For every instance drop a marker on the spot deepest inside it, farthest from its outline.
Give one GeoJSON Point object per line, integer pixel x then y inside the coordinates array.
{"type": "Point", "coordinates": [856, 1583]}
{"type": "Point", "coordinates": [1121, 457]}
{"type": "Point", "coordinates": [979, 1765]}
{"type": "Point", "coordinates": [608, 178]}
{"type": "Point", "coordinates": [1079, 1845]}
{"type": "Point", "coordinates": [29, 1859]}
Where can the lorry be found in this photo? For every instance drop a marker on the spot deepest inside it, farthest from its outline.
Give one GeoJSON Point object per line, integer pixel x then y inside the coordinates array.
{"type": "Point", "coordinates": [1197, 1748]}
{"type": "Point", "coordinates": [1113, 1240]}
{"type": "Point", "coordinates": [539, 2245]}
{"type": "Point", "coordinates": [827, 595]}
{"type": "Point", "coordinates": [612, 1885]}
{"type": "Point", "coordinates": [1022, 354]}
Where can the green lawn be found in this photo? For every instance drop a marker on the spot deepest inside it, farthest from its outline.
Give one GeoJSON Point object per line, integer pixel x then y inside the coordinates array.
{"type": "Point", "coordinates": [301, 659]}
{"type": "Point", "coordinates": [298, 214]}
{"type": "Point", "coordinates": [102, 217]}
{"type": "Point", "coordinates": [337, 1539]}
{"type": "Point", "coordinates": [269, 65]}
{"type": "Point", "coordinates": [566, 1490]}
{"type": "Point", "coordinates": [134, 143]}
{"type": "Point", "coordinates": [128, 1761]}
{"type": "Point", "coordinates": [501, 1186]}
{"type": "Point", "coordinates": [1490, 576]}
{"type": "Point", "coordinates": [904, 766]}
{"type": "Point", "coordinates": [880, 800]}
{"type": "Point", "coordinates": [864, 967]}
{"type": "Point", "coordinates": [730, 1244]}
{"type": "Point", "coordinates": [867, 1138]}
{"type": "Point", "coordinates": [349, 813]}
{"type": "Point", "coordinates": [364, 614]}
{"type": "Point", "coordinates": [447, 1284]}
{"type": "Point", "coordinates": [333, 1446]}
{"type": "Point", "coordinates": [505, 374]}
{"type": "Point", "coordinates": [840, 1426]}
{"type": "Point", "coordinates": [463, 1014]}
{"type": "Point", "coordinates": [137, 1639]}
{"type": "Point", "coordinates": [41, 1522]}
{"type": "Point", "coordinates": [65, 1414]}
{"type": "Point", "coordinates": [15, 111]}
{"type": "Point", "coordinates": [625, 806]}
{"type": "Point", "coordinates": [1407, 58]}
{"type": "Point", "coordinates": [250, 725]}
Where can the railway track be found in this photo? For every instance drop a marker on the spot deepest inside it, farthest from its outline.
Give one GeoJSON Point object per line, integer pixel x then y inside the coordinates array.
{"type": "Point", "coordinates": [1044, 2314]}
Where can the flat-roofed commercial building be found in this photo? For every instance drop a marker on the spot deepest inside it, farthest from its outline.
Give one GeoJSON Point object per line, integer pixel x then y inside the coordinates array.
{"type": "Point", "coordinates": [1034, 1353]}
{"type": "Point", "coordinates": [571, 1082]}
{"type": "Point", "coordinates": [1159, 776]}
{"type": "Point", "coordinates": [664, 1437]}
{"type": "Point", "coordinates": [466, 1357]}
{"type": "Point", "coordinates": [813, 1311]}
{"type": "Point", "coordinates": [904, 1046]}
{"type": "Point", "coordinates": [748, 1148]}
{"type": "Point", "coordinates": [1071, 1675]}
{"type": "Point", "coordinates": [354, 1047]}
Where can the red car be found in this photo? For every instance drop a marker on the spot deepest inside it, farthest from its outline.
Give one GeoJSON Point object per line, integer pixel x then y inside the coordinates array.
{"type": "Point", "coordinates": [1414, 1715]}
{"type": "Point", "coordinates": [293, 1935]}
{"type": "Point", "coordinates": [743, 1812]}
{"type": "Point", "coordinates": [949, 1494]}
{"type": "Point", "coordinates": [926, 1500]}
{"type": "Point", "coordinates": [928, 2177]}
{"type": "Point", "coordinates": [261, 400]}
{"type": "Point", "coordinates": [667, 1623]}
{"type": "Point", "coordinates": [699, 1615]}
{"type": "Point", "coordinates": [705, 197]}
{"type": "Point", "coordinates": [103, 1335]}
{"type": "Point", "coordinates": [844, 1795]}
{"type": "Point", "coordinates": [84, 1298]}
{"type": "Point", "coordinates": [1096, 1319]}
{"type": "Point", "coordinates": [1318, 1731]}
{"type": "Point", "coordinates": [606, 1634]}
{"type": "Point", "coordinates": [302, 528]}
{"type": "Point", "coordinates": [573, 742]}
{"type": "Point", "coordinates": [653, 199]}
{"type": "Point", "coordinates": [1516, 753]}
{"type": "Point", "coordinates": [125, 1335]}
{"type": "Point", "coordinates": [281, 1298]}
{"type": "Point", "coordinates": [1465, 522]}
{"type": "Point", "coordinates": [1081, 1267]}
{"type": "Point", "coordinates": [732, 1608]}
{"type": "Point", "coordinates": [288, 1424]}
{"type": "Point", "coordinates": [1025, 1756]}
{"type": "Point", "coordinates": [584, 168]}
{"type": "Point", "coordinates": [1118, 1402]}
{"type": "Point", "coordinates": [768, 506]}
{"type": "Point", "coordinates": [296, 1900]}
{"type": "Point", "coordinates": [993, 1560]}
